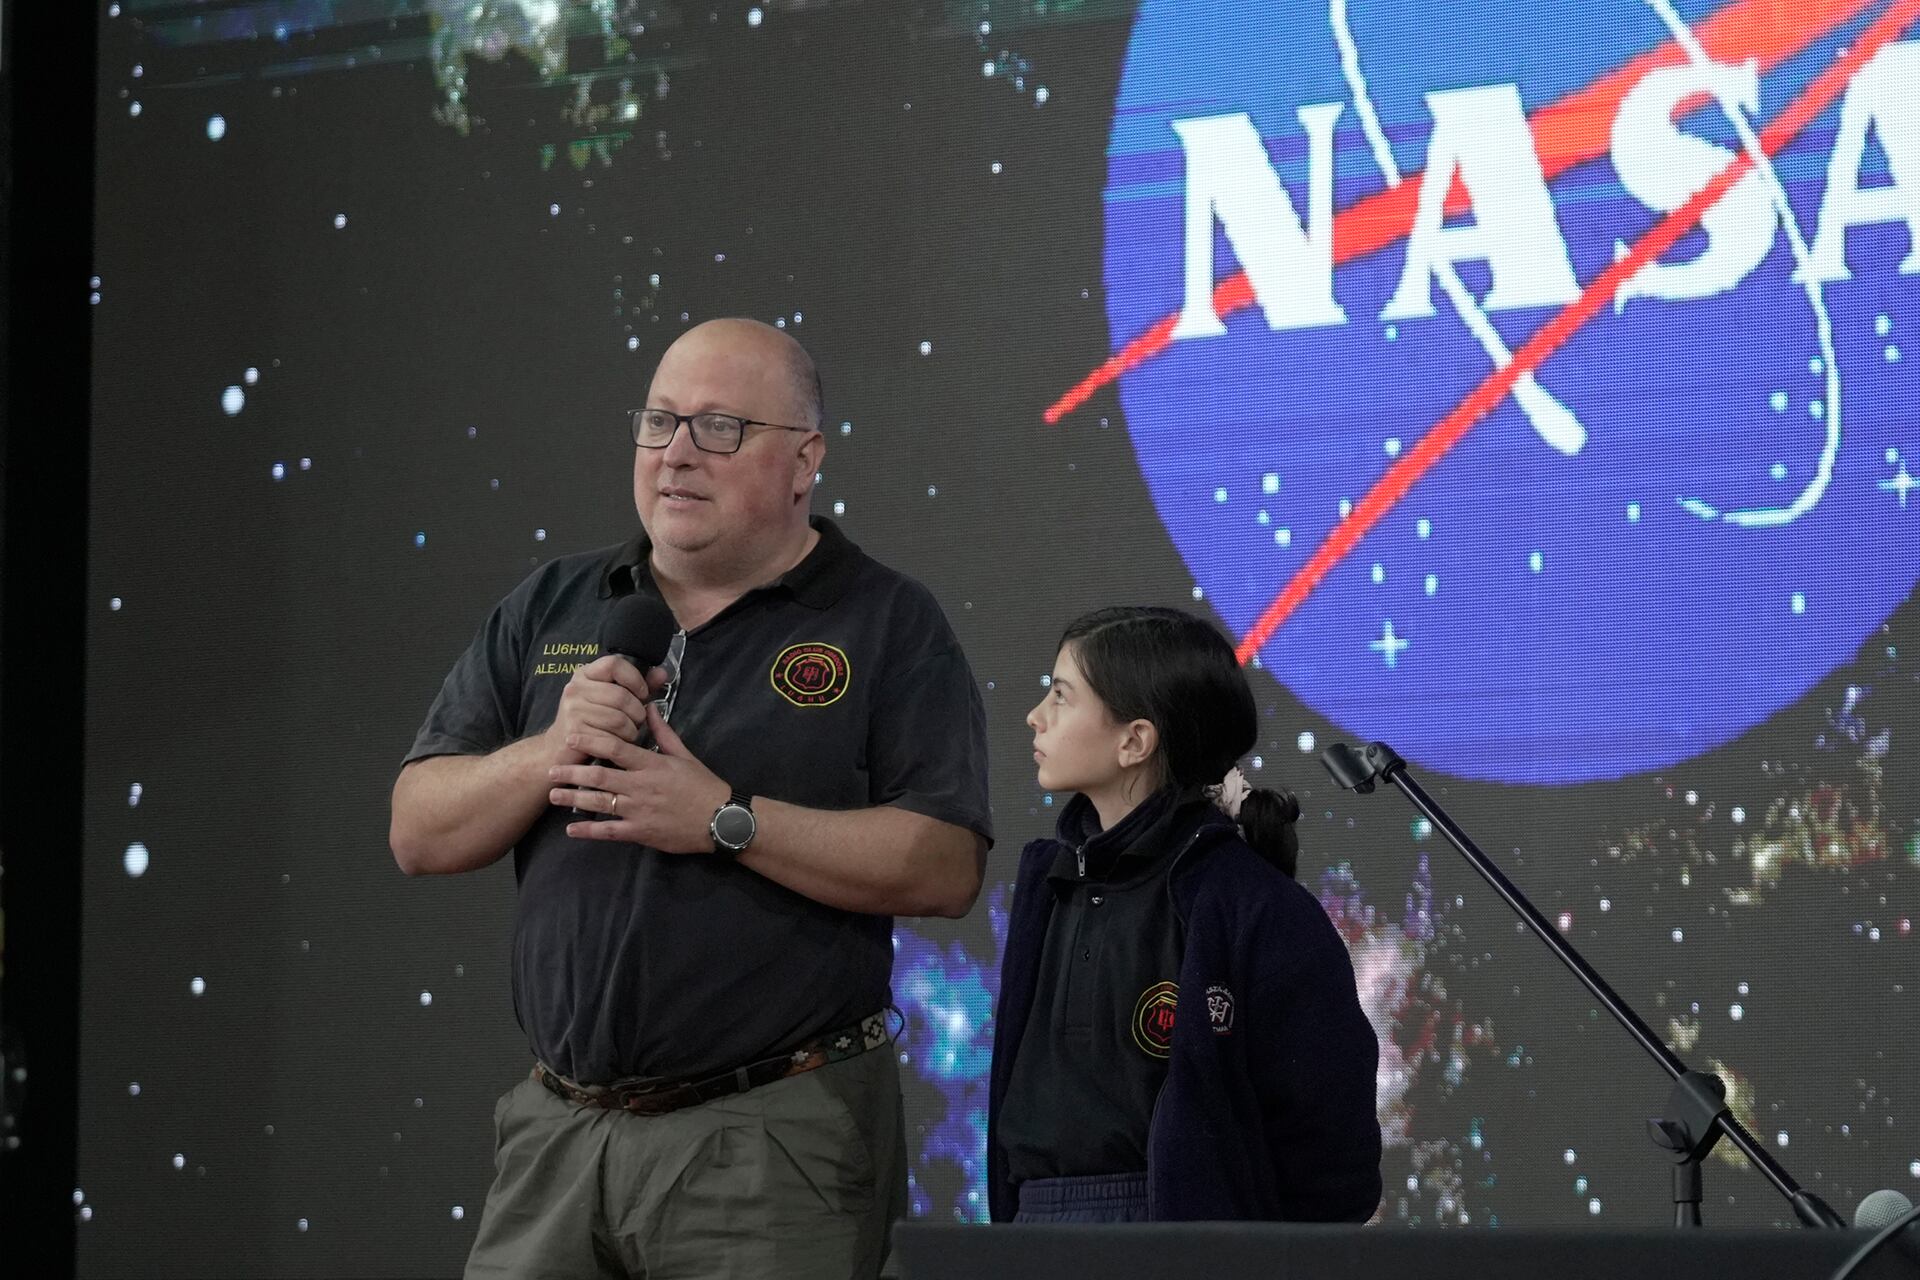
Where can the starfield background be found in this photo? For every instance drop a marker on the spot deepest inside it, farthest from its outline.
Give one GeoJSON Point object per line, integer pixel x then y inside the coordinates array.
{"type": "Point", "coordinates": [376, 282]}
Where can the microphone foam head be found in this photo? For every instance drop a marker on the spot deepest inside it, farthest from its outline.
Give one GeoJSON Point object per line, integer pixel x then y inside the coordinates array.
{"type": "Point", "coordinates": [639, 627]}
{"type": "Point", "coordinates": [1881, 1209]}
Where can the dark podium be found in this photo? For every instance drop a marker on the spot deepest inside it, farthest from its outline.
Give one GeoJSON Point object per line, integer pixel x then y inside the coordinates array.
{"type": "Point", "coordinates": [1226, 1250]}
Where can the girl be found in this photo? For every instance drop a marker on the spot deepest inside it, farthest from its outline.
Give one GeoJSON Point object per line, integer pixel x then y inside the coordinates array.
{"type": "Point", "coordinates": [1178, 1033]}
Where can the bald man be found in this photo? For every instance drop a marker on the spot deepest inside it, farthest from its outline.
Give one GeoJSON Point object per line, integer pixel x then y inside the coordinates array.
{"type": "Point", "coordinates": [702, 943]}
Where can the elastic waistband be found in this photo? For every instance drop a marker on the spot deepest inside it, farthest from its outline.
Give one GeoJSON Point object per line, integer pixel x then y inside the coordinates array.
{"type": "Point", "coordinates": [1090, 1192]}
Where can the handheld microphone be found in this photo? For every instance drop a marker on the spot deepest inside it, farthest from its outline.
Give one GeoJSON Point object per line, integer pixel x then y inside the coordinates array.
{"type": "Point", "coordinates": [640, 628]}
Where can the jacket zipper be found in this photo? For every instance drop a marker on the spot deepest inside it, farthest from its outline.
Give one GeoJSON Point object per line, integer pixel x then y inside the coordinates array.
{"type": "Point", "coordinates": [1080, 858]}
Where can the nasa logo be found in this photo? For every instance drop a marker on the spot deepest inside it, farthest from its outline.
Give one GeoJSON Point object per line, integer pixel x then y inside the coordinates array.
{"type": "Point", "coordinates": [1536, 403]}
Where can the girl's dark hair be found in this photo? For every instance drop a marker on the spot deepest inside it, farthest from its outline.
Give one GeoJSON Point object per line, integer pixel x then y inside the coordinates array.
{"type": "Point", "coordinates": [1179, 673]}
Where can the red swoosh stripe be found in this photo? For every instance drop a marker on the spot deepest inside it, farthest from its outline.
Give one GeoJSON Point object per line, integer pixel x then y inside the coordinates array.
{"type": "Point", "coordinates": [1416, 462]}
{"type": "Point", "coordinates": [1565, 133]}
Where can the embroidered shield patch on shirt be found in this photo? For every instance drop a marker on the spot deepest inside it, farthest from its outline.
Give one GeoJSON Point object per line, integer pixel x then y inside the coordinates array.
{"type": "Point", "coordinates": [1153, 1019]}
{"type": "Point", "coordinates": [811, 675]}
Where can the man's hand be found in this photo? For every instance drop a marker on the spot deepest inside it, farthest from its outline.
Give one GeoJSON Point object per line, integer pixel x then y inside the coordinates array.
{"type": "Point", "coordinates": [608, 696]}
{"type": "Point", "coordinates": [664, 799]}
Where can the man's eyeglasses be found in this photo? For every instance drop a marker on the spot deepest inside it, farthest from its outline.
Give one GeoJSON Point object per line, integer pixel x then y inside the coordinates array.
{"type": "Point", "coordinates": [711, 432]}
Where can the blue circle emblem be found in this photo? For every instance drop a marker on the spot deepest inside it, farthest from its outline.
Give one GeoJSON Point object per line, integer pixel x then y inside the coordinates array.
{"type": "Point", "coordinates": [1482, 427]}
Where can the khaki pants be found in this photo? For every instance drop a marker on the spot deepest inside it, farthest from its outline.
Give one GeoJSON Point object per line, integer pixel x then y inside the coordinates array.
{"type": "Point", "coordinates": [800, 1178]}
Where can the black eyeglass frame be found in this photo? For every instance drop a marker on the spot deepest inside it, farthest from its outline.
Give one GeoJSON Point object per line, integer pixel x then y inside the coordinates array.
{"type": "Point", "coordinates": [687, 420]}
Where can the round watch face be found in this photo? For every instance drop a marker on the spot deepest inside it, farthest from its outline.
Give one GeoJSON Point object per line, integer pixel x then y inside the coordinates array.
{"type": "Point", "coordinates": [733, 826]}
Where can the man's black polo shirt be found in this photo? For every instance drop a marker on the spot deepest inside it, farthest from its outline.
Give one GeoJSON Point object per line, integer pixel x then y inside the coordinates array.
{"type": "Point", "coordinates": [840, 686]}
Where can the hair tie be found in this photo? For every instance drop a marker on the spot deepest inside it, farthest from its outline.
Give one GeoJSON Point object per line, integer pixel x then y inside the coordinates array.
{"type": "Point", "coordinates": [1230, 793]}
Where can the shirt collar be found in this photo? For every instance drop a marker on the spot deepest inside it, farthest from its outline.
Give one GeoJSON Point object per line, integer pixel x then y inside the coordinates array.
{"type": "Point", "coordinates": [819, 580]}
{"type": "Point", "coordinates": [1133, 845]}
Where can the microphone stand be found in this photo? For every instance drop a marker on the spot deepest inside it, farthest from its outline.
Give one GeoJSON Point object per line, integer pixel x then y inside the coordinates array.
{"type": "Point", "coordinates": [1696, 1112]}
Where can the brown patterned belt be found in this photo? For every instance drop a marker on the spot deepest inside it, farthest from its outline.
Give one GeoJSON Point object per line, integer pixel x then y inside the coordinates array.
{"type": "Point", "coordinates": [655, 1097]}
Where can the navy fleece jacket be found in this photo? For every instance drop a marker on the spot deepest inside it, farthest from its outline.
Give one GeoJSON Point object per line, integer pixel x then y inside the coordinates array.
{"type": "Point", "coordinates": [1268, 1107]}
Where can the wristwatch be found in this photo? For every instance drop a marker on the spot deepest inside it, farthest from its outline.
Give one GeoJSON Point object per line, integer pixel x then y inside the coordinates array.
{"type": "Point", "coordinates": [733, 825]}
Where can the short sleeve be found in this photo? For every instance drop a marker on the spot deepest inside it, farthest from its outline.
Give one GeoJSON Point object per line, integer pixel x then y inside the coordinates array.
{"type": "Point", "coordinates": [927, 745]}
{"type": "Point", "coordinates": [477, 710]}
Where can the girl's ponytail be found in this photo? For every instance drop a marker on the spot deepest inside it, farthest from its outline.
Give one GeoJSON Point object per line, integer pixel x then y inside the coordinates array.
{"type": "Point", "coordinates": [1266, 823]}
{"type": "Point", "coordinates": [1266, 818]}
